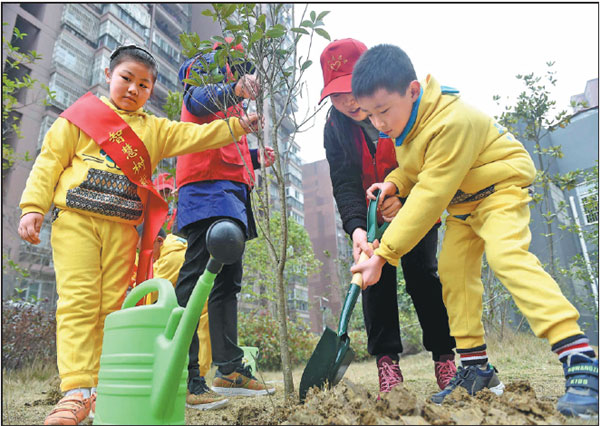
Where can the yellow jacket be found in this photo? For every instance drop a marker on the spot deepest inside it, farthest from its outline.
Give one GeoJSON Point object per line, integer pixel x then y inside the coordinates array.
{"type": "Point", "coordinates": [74, 173]}
{"type": "Point", "coordinates": [451, 157]}
{"type": "Point", "coordinates": [172, 255]}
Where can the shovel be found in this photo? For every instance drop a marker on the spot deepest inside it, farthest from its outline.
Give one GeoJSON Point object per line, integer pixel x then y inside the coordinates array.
{"type": "Point", "coordinates": [333, 353]}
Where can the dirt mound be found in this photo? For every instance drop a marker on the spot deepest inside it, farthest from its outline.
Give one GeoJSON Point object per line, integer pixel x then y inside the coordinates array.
{"type": "Point", "coordinates": [350, 404]}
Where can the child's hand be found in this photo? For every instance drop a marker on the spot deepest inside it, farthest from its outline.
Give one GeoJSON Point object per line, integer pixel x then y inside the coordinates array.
{"type": "Point", "coordinates": [386, 188]}
{"type": "Point", "coordinates": [251, 122]}
{"type": "Point", "coordinates": [389, 208]}
{"type": "Point", "coordinates": [266, 157]}
{"type": "Point", "coordinates": [247, 87]}
{"type": "Point", "coordinates": [370, 270]}
{"type": "Point", "coordinates": [29, 227]}
{"type": "Point", "coordinates": [359, 244]}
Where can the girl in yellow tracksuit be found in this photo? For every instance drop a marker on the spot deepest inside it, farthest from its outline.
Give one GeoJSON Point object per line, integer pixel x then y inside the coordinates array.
{"type": "Point", "coordinates": [453, 157]}
{"type": "Point", "coordinates": [96, 210]}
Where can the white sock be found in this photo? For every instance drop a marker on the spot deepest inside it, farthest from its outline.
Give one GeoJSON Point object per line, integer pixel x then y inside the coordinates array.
{"type": "Point", "coordinates": [85, 391]}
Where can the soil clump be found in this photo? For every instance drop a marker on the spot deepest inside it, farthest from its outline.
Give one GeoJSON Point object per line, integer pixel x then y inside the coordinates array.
{"type": "Point", "coordinates": [348, 404]}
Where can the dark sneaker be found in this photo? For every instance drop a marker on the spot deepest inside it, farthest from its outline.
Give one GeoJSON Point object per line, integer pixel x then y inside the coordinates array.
{"type": "Point", "coordinates": [581, 395]}
{"type": "Point", "coordinates": [240, 382]}
{"type": "Point", "coordinates": [389, 374]}
{"type": "Point", "coordinates": [444, 372]}
{"type": "Point", "coordinates": [200, 397]}
{"type": "Point", "coordinates": [473, 379]}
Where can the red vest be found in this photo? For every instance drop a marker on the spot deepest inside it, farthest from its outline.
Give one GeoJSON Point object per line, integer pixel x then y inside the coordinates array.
{"type": "Point", "coordinates": [376, 169]}
{"type": "Point", "coordinates": [215, 164]}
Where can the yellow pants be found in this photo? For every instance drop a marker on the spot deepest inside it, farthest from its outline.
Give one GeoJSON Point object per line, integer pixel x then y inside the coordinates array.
{"type": "Point", "coordinates": [204, 348]}
{"type": "Point", "coordinates": [93, 260]}
{"type": "Point", "coordinates": [500, 226]}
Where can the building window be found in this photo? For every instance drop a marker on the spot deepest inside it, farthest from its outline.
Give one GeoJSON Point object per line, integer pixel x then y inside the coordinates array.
{"type": "Point", "coordinates": [36, 9]}
{"type": "Point", "coordinates": [29, 42]}
{"type": "Point", "coordinates": [588, 202]}
{"type": "Point", "coordinates": [66, 92]}
{"type": "Point", "coordinates": [47, 122]}
{"type": "Point", "coordinates": [17, 73]}
{"type": "Point", "coordinates": [81, 20]}
{"type": "Point", "coordinates": [70, 56]}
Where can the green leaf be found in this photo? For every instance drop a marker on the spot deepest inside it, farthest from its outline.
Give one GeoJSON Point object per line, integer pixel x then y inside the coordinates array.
{"type": "Point", "coordinates": [261, 21]}
{"type": "Point", "coordinates": [299, 30]}
{"type": "Point", "coordinates": [190, 81]}
{"type": "Point", "coordinates": [275, 32]}
{"type": "Point", "coordinates": [228, 10]}
{"type": "Point", "coordinates": [322, 15]}
{"type": "Point", "coordinates": [313, 15]}
{"type": "Point", "coordinates": [306, 65]}
{"type": "Point", "coordinates": [323, 33]}
{"type": "Point", "coordinates": [306, 24]}
{"type": "Point", "coordinates": [256, 36]}
{"type": "Point", "coordinates": [208, 12]}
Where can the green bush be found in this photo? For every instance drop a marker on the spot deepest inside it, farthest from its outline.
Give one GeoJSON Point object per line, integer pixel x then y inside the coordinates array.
{"type": "Point", "coordinates": [28, 335]}
{"type": "Point", "coordinates": [262, 331]}
{"type": "Point", "coordinates": [358, 343]}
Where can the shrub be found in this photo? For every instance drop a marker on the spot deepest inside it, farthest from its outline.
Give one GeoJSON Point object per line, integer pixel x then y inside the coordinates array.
{"type": "Point", "coordinates": [358, 343]}
{"type": "Point", "coordinates": [261, 330]}
{"type": "Point", "coordinates": [28, 334]}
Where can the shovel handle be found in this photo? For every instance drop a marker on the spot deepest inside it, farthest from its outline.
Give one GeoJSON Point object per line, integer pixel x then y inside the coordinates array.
{"type": "Point", "coordinates": [357, 278]}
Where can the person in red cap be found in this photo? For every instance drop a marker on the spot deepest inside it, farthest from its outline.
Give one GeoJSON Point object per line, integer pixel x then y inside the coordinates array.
{"type": "Point", "coordinates": [358, 157]}
{"type": "Point", "coordinates": [213, 186]}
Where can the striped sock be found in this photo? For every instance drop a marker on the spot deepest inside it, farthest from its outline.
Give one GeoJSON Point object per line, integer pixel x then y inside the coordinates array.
{"type": "Point", "coordinates": [473, 356]}
{"type": "Point", "coordinates": [578, 344]}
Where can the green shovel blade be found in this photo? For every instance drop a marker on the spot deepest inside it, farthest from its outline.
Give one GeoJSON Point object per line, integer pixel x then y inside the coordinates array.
{"type": "Point", "coordinates": [318, 368]}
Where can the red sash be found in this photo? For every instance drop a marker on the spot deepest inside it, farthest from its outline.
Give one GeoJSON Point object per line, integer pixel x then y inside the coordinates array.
{"type": "Point", "coordinates": [126, 149]}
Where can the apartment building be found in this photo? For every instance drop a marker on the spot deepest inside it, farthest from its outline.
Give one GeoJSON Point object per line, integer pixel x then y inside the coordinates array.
{"type": "Point", "coordinates": [75, 41]}
{"type": "Point", "coordinates": [326, 289]}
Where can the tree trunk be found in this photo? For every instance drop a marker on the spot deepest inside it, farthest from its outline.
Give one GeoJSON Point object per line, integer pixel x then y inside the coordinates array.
{"type": "Point", "coordinates": [286, 364]}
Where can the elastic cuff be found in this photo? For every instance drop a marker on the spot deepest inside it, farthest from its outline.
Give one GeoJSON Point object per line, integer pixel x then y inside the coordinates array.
{"type": "Point", "coordinates": [385, 254]}
{"type": "Point", "coordinates": [562, 330]}
{"type": "Point", "coordinates": [76, 380]}
{"type": "Point", "coordinates": [236, 127]}
{"type": "Point", "coordinates": [468, 342]}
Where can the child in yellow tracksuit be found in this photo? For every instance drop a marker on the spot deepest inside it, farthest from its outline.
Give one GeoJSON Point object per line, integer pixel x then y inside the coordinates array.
{"type": "Point", "coordinates": [451, 156]}
{"type": "Point", "coordinates": [97, 207]}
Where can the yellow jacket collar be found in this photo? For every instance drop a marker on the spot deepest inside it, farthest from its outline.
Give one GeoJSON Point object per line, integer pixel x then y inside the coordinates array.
{"type": "Point", "coordinates": [139, 111]}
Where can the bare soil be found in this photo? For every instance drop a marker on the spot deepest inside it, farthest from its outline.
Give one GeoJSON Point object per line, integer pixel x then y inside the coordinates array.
{"type": "Point", "coordinates": [532, 375]}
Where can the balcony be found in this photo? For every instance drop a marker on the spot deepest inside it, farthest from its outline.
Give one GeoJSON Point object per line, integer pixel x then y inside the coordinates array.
{"type": "Point", "coordinates": [167, 25]}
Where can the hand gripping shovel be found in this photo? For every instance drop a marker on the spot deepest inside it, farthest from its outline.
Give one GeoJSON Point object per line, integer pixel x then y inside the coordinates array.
{"type": "Point", "coordinates": [333, 354]}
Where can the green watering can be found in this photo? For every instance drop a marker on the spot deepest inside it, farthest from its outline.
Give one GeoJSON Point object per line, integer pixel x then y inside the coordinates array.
{"type": "Point", "coordinates": [142, 378]}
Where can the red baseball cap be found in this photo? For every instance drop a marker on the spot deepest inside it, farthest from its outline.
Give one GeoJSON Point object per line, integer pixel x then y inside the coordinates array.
{"type": "Point", "coordinates": [164, 181]}
{"type": "Point", "coordinates": [337, 62]}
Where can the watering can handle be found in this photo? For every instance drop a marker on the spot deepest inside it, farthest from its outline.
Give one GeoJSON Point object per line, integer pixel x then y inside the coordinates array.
{"type": "Point", "coordinates": [163, 286]}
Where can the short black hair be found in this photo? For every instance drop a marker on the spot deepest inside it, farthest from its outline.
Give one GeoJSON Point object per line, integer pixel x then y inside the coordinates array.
{"type": "Point", "coordinates": [135, 53]}
{"type": "Point", "coordinates": [382, 67]}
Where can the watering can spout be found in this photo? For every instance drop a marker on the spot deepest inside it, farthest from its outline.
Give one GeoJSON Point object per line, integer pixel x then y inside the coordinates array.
{"type": "Point", "coordinates": [225, 242]}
